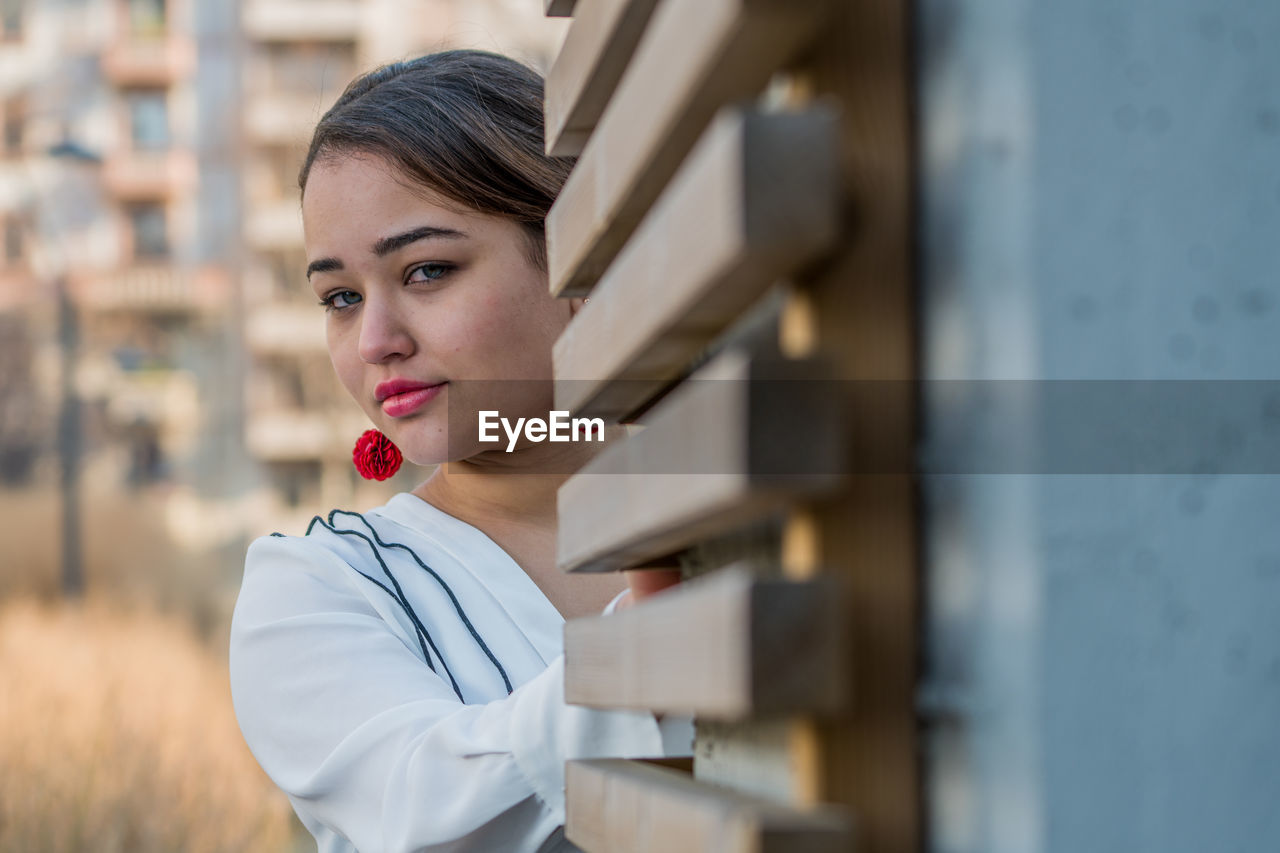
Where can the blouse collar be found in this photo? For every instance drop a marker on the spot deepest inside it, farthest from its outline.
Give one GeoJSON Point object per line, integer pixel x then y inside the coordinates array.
{"type": "Point", "coordinates": [493, 567]}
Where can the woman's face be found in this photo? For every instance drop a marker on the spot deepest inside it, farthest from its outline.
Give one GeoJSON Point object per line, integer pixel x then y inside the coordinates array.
{"type": "Point", "coordinates": [420, 296]}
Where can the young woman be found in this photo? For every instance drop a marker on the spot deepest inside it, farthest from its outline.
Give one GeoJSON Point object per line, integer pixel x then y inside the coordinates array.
{"type": "Point", "coordinates": [399, 673]}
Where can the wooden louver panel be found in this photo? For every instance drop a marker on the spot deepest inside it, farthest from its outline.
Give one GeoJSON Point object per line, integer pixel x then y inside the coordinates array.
{"type": "Point", "coordinates": [724, 647]}
{"type": "Point", "coordinates": [726, 448]}
{"type": "Point", "coordinates": [673, 277]}
{"type": "Point", "coordinates": [696, 56]}
{"type": "Point", "coordinates": [559, 8]}
{"type": "Point", "coordinates": [742, 211]}
{"type": "Point", "coordinates": [619, 806]}
{"type": "Point", "coordinates": [584, 75]}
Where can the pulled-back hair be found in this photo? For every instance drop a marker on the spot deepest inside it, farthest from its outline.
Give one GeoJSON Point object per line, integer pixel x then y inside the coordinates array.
{"type": "Point", "coordinates": [465, 124]}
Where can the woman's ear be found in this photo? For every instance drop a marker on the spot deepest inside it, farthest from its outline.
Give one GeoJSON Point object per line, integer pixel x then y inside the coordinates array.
{"type": "Point", "coordinates": [576, 303]}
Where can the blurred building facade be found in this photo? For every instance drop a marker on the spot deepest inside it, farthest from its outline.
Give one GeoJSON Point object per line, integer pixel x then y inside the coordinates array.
{"type": "Point", "coordinates": [173, 233]}
{"type": "Point", "coordinates": [99, 201]}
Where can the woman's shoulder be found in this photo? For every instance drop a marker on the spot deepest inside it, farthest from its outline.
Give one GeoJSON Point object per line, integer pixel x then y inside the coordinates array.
{"type": "Point", "coordinates": [281, 564]}
{"type": "Point", "coordinates": [332, 566]}
{"type": "Point", "coordinates": [343, 540]}
{"type": "Point", "coordinates": [327, 539]}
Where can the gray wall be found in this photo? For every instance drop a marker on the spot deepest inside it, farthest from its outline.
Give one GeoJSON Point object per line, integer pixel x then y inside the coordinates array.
{"type": "Point", "coordinates": [1101, 201]}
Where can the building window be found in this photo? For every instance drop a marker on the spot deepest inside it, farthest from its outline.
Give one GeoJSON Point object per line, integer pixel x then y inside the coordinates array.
{"type": "Point", "coordinates": [13, 128]}
{"type": "Point", "coordinates": [12, 242]}
{"type": "Point", "coordinates": [11, 19]}
{"type": "Point", "coordinates": [150, 231]}
{"type": "Point", "coordinates": [310, 69]}
{"type": "Point", "coordinates": [148, 118]}
{"type": "Point", "coordinates": [288, 276]}
{"type": "Point", "coordinates": [147, 17]}
{"type": "Point", "coordinates": [284, 165]}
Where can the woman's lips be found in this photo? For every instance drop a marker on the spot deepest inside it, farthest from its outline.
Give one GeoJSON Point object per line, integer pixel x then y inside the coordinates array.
{"type": "Point", "coordinates": [402, 401]}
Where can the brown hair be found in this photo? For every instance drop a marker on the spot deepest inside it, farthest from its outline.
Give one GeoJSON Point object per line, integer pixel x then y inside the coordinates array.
{"type": "Point", "coordinates": [466, 124]}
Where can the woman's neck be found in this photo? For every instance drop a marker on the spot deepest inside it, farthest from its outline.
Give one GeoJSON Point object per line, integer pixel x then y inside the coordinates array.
{"type": "Point", "coordinates": [515, 488]}
{"type": "Point", "coordinates": [505, 497]}
{"type": "Point", "coordinates": [512, 499]}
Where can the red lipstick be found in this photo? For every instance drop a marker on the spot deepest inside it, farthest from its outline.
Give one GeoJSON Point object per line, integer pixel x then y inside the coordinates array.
{"type": "Point", "coordinates": [403, 397]}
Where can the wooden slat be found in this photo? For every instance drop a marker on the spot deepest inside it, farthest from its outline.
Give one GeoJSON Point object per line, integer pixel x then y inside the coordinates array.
{"type": "Point", "coordinates": [618, 806]}
{"type": "Point", "coordinates": [770, 757]}
{"type": "Point", "coordinates": [596, 51]}
{"type": "Point", "coordinates": [722, 450]}
{"type": "Point", "coordinates": [695, 56]}
{"type": "Point", "coordinates": [743, 211]}
{"type": "Point", "coordinates": [559, 8]}
{"type": "Point", "coordinates": [726, 647]}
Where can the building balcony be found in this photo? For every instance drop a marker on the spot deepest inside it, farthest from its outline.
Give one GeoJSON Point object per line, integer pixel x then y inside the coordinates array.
{"type": "Point", "coordinates": [302, 20]}
{"type": "Point", "coordinates": [288, 436]}
{"type": "Point", "coordinates": [18, 289]}
{"type": "Point", "coordinates": [148, 62]}
{"type": "Point", "coordinates": [153, 288]}
{"type": "Point", "coordinates": [286, 329]}
{"type": "Point", "coordinates": [276, 226]}
{"type": "Point", "coordinates": [274, 118]}
{"type": "Point", "coordinates": [149, 175]}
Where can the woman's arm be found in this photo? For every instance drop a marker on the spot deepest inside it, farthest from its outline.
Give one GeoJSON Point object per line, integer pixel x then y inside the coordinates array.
{"type": "Point", "coordinates": [368, 741]}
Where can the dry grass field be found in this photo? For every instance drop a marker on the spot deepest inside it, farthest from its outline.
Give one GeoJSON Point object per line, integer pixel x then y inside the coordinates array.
{"type": "Point", "coordinates": [116, 726]}
{"type": "Point", "coordinates": [117, 734]}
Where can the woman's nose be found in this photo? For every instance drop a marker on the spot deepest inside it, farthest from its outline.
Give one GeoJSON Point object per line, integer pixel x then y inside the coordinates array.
{"type": "Point", "coordinates": [383, 332]}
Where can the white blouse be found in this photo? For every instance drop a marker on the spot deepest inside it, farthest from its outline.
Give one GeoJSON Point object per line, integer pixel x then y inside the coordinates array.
{"type": "Point", "coordinates": [401, 678]}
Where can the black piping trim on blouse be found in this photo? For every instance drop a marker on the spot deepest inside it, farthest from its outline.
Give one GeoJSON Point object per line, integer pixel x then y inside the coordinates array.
{"type": "Point", "coordinates": [506, 681]}
{"type": "Point", "coordinates": [398, 595]}
{"type": "Point", "coordinates": [418, 629]}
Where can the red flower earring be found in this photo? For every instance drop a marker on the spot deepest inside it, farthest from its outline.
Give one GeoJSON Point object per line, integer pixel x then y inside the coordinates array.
{"type": "Point", "coordinates": [375, 457]}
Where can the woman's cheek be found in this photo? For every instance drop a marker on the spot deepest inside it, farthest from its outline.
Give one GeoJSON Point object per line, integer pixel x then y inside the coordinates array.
{"type": "Point", "coordinates": [491, 327]}
{"type": "Point", "coordinates": [346, 365]}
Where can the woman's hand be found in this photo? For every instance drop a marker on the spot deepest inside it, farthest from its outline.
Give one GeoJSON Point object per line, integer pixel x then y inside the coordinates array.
{"type": "Point", "coordinates": [642, 583]}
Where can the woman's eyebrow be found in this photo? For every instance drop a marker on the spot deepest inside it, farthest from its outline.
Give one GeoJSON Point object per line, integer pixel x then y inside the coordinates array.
{"type": "Point", "coordinates": [387, 245]}
{"type": "Point", "coordinates": [323, 265]}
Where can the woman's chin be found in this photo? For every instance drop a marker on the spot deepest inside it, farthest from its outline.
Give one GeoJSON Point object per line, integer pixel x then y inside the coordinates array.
{"type": "Point", "coordinates": [414, 449]}
{"type": "Point", "coordinates": [425, 459]}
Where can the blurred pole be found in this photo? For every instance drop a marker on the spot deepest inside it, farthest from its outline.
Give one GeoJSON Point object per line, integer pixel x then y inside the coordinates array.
{"type": "Point", "coordinates": [69, 443]}
{"type": "Point", "coordinates": [59, 209]}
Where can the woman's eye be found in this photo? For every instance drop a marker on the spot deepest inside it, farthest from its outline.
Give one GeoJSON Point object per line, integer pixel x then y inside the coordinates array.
{"type": "Point", "coordinates": [428, 272]}
{"type": "Point", "coordinates": [340, 299]}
